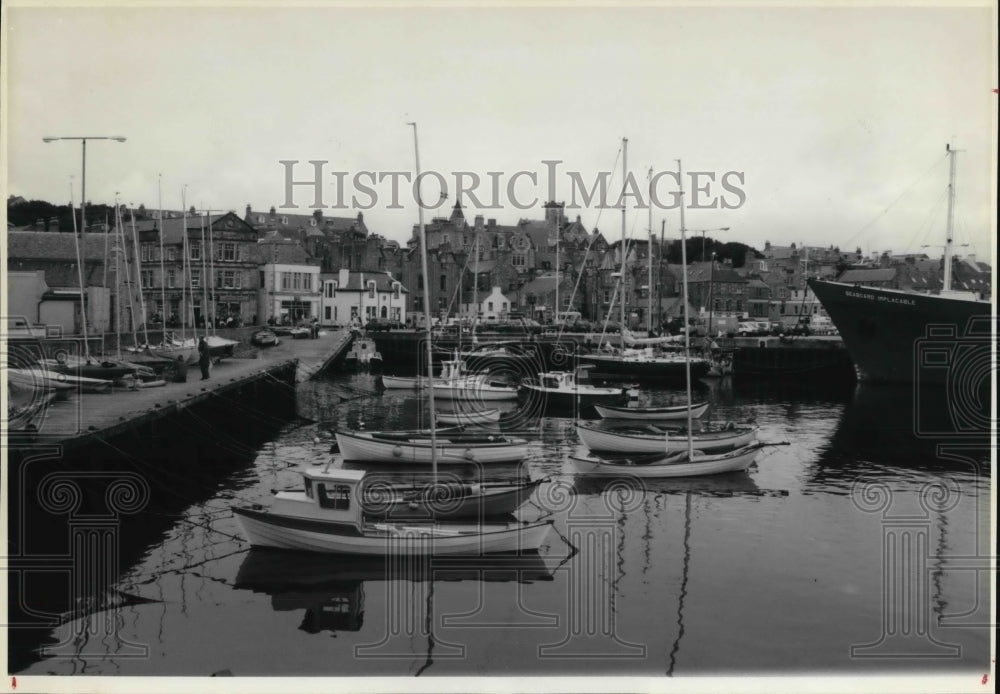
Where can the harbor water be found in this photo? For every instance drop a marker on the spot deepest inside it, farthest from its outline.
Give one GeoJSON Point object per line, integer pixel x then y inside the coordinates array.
{"type": "Point", "coordinates": [860, 547]}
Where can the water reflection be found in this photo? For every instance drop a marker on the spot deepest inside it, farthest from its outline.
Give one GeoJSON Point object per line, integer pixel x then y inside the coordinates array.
{"type": "Point", "coordinates": [331, 590]}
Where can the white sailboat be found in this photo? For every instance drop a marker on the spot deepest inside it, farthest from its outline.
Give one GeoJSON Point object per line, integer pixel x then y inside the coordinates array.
{"type": "Point", "coordinates": [741, 444]}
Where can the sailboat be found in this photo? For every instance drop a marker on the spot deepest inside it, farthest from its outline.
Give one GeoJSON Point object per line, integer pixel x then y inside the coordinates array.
{"type": "Point", "coordinates": [329, 514]}
{"type": "Point", "coordinates": [889, 332]}
{"type": "Point", "coordinates": [741, 445]}
{"type": "Point", "coordinates": [638, 359]}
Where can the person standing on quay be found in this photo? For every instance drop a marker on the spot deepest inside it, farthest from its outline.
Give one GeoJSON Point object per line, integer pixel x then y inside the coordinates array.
{"type": "Point", "coordinates": [204, 359]}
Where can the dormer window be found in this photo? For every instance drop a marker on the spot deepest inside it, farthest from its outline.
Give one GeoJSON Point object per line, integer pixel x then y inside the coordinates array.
{"type": "Point", "coordinates": [312, 222]}
{"type": "Point", "coordinates": [260, 219]}
{"type": "Point", "coordinates": [284, 220]}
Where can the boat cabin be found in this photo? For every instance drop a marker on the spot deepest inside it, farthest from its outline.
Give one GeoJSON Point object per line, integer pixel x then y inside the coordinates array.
{"type": "Point", "coordinates": [566, 380]}
{"type": "Point", "coordinates": [331, 494]}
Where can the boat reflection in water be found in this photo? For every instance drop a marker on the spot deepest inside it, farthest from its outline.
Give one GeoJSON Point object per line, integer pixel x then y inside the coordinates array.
{"type": "Point", "coordinates": [331, 590]}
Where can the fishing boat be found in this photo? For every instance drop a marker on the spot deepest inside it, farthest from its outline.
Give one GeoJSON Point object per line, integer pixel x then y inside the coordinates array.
{"type": "Point", "coordinates": [597, 439]}
{"type": "Point", "coordinates": [489, 416]}
{"type": "Point", "coordinates": [646, 364]}
{"type": "Point", "coordinates": [475, 390]}
{"type": "Point", "coordinates": [675, 464]}
{"type": "Point", "coordinates": [328, 516]}
{"type": "Point", "coordinates": [908, 336]}
{"type": "Point", "coordinates": [452, 370]}
{"type": "Point", "coordinates": [657, 414]}
{"type": "Point", "coordinates": [407, 447]}
{"type": "Point", "coordinates": [569, 388]}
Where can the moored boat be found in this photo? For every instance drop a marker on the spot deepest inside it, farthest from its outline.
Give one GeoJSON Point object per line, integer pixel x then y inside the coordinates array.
{"type": "Point", "coordinates": [328, 516]}
{"type": "Point", "coordinates": [597, 439]}
{"type": "Point", "coordinates": [568, 388]}
{"type": "Point", "coordinates": [489, 416]}
{"type": "Point", "coordinates": [660, 414]}
{"type": "Point", "coordinates": [676, 464]}
{"type": "Point", "coordinates": [446, 498]}
{"type": "Point", "coordinates": [646, 365]}
{"type": "Point", "coordinates": [416, 447]}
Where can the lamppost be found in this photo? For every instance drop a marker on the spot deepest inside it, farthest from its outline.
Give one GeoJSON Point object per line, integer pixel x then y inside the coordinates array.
{"type": "Point", "coordinates": [702, 232]}
{"type": "Point", "coordinates": [83, 215]}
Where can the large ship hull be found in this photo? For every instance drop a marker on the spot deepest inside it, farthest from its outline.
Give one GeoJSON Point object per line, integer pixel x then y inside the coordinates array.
{"type": "Point", "coordinates": [905, 337]}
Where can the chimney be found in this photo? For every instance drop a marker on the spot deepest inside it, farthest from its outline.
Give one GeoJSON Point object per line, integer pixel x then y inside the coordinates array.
{"type": "Point", "coordinates": [479, 221]}
{"type": "Point", "coordinates": [343, 278]}
{"type": "Point", "coordinates": [272, 210]}
{"type": "Point", "coordinates": [317, 215]}
{"type": "Point", "coordinates": [248, 212]}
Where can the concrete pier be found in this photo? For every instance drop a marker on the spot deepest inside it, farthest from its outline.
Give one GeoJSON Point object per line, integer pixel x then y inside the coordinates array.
{"type": "Point", "coordinates": [84, 418]}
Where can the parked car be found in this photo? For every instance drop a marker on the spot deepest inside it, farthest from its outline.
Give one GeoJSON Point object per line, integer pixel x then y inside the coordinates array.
{"type": "Point", "coordinates": [380, 324]}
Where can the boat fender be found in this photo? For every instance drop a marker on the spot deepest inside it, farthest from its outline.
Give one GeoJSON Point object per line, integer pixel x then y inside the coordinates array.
{"type": "Point", "coordinates": [397, 452]}
{"type": "Point", "coordinates": [469, 455]}
{"type": "Point", "coordinates": [730, 426]}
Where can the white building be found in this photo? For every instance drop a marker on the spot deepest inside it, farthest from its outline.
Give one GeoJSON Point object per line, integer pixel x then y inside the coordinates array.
{"type": "Point", "coordinates": [354, 298]}
{"type": "Point", "coordinates": [290, 284]}
{"type": "Point", "coordinates": [493, 305]}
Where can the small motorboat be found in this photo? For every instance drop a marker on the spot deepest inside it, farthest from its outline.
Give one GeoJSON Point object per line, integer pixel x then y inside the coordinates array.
{"type": "Point", "coordinates": [474, 390]}
{"type": "Point", "coordinates": [265, 338]}
{"type": "Point", "coordinates": [452, 370]}
{"type": "Point", "coordinates": [598, 439]}
{"type": "Point", "coordinates": [568, 388]}
{"type": "Point", "coordinates": [670, 412]}
{"type": "Point", "coordinates": [415, 447]}
{"type": "Point", "coordinates": [328, 515]}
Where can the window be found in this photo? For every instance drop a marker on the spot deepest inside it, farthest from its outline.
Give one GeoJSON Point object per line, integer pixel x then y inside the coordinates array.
{"type": "Point", "coordinates": [371, 289]}
{"type": "Point", "coordinates": [286, 280]}
{"type": "Point", "coordinates": [195, 249]}
{"type": "Point", "coordinates": [420, 281]}
{"type": "Point", "coordinates": [227, 251]}
{"type": "Point", "coordinates": [607, 296]}
{"type": "Point", "coordinates": [444, 238]}
{"type": "Point", "coordinates": [231, 279]}
{"type": "Point", "coordinates": [309, 487]}
{"type": "Point", "coordinates": [326, 313]}
{"type": "Point", "coordinates": [171, 278]}
{"type": "Point", "coordinates": [395, 289]}
{"type": "Point", "coordinates": [489, 306]}
{"type": "Point", "coordinates": [518, 260]}
{"type": "Point", "coordinates": [260, 219]}
{"type": "Point", "coordinates": [418, 303]}
{"type": "Point", "coordinates": [196, 278]}
{"type": "Point", "coordinates": [171, 254]}
{"type": "Point", "coordinates": [146, 278]}
{"type": "Point", "coordinates": [444, 283]}
{"type": "Point", "coordinates": [335, 496]}
{"type": "Point", "coordinates": [500, 243]}
{"type": "Point", "coordinates": [144, 252]}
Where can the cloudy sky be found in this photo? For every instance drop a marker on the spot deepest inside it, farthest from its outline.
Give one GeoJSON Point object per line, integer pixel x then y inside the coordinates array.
{"type": "Point", "coordinates": [836, 118]}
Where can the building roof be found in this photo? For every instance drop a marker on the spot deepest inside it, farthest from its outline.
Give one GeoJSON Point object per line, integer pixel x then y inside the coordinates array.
{"type": "Point", "coordinates": [383, 281]}
{"type": "Point", "coordinates": [704, 272]}
{"type": "Point", "coordinates": [874, 275]}
{"type": "Point", "coordinates": [173, 228]}
{"type": "Point", "coordinates": [284, 253]}
{"type": "Point", "coordinates": [52, 245]}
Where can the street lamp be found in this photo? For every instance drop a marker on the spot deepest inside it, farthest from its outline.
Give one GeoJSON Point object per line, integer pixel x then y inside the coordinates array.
{"type": "Point", "coordinates": [702, 232]}
{"type": "Point", "coordinates": [83, 182]}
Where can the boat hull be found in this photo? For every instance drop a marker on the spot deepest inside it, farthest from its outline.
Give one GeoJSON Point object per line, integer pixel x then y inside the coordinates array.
{"type": "Point", "coordinates": [481, 417]}
{"type": "Point", "coordinates": [887, 333]}
{"type": "Point", "coordinates": [734, 461]}
{"type": "Point", "coordinates": [455, 501]}
{"type": "Point", "coordinates": [657, 414]}
{"type": "Point", "coordinates": [474, 391]}
{"type": "Point", "coordinates": [563, 399]}
{"type": "Point", "coordinates": [264, 529]}
{"type": "Point", "coordinates": [646, 371]}
{"type": "Point", "coordinates": [604, 440]}
{"type": "Point", "coordinates": [354, 446]}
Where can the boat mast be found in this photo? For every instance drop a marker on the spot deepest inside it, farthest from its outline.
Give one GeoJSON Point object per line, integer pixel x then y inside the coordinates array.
{"type": "Point", "coordinates": [951, 217]}
{"type": "Point", "coordinates": [204, 276]}
{"type": "Point", "coordinates": [163, 273]}
{"type": "Point", "coordinates": [555, 317]}
{"type": "Point", "coordinates": [184, 263]}
{"type": "Point", "coordinates": [138, 271]}
{"type": "Point", "coordinates": [128, 275]}
{"type": "Point", "coordinates": [621, 331]}
{"type": "Point", "coordinates": [427, 308]}
{"type": "Point", "coordinates": [118, 288]}
{"type": "Point", "coordinates": [687, 338]}
{"type": "Point", "coordinates": [659, 284]}
{"type": "Point", "coordinates": [79, 269]}
{"type": "Point", "coordinates": [649, 254]}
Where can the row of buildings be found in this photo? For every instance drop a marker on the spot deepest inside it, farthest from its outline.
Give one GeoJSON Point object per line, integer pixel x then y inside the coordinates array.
{"type": "Point", "coordinates": [186, 268]}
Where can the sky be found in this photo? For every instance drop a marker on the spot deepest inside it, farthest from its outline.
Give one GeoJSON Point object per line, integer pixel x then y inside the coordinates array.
{"type": "Point", "coordinates": [828, 123]}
